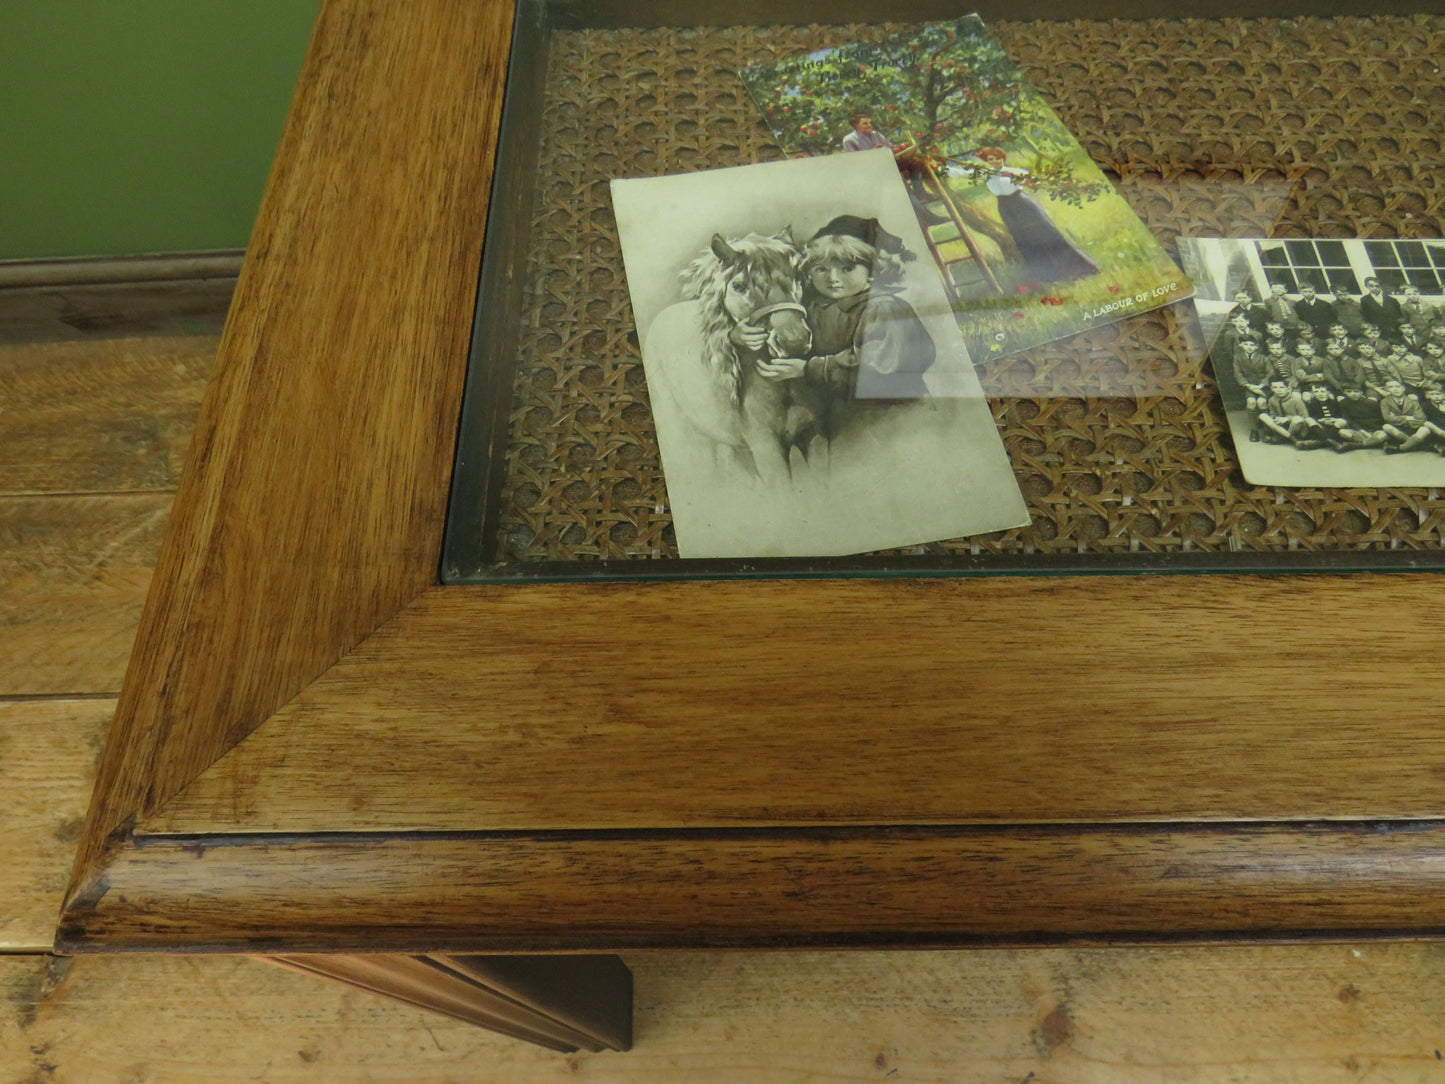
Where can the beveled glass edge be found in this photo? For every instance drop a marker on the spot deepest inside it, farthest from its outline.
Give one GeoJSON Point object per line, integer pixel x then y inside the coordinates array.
{"type": "Point", "coordinates": [478, 469]}
{"type": "Point", "coordinates": [612, 14]}
{"type": "Point", "coordinates": [1288, 562]}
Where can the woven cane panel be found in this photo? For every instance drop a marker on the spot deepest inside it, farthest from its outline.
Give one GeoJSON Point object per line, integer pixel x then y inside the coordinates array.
{"type": "Point", "coordinates": [1246, 128]}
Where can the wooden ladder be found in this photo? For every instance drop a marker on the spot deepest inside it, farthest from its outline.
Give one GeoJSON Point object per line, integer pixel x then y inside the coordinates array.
{"type": "Point", "coordinates": [951, 244]}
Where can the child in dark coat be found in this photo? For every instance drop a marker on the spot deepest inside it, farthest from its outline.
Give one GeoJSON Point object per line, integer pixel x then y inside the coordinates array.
{"type": "Point", "coordinates": [868, 342]}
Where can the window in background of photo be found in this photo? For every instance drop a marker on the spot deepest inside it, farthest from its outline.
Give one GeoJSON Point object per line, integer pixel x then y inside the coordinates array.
{"type": "Point", "coordinates": [1325, 265]}
{"type": "Point", "coordinates": [1414, 263]}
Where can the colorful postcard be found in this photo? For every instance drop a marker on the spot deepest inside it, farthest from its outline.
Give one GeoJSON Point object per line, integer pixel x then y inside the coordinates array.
{"type": "Point", "coordinates": [1329, 355]}
{"type": "Point", "coordinates": [811, 390]}
{"type": "Point", "coordinates": [1033, 241]}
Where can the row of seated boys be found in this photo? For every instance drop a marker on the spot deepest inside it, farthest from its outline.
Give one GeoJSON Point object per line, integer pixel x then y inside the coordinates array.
{"type": "Point", "coordinates": [1309, 412]}
{"type": "Point", "coordinates": [1337, 390]}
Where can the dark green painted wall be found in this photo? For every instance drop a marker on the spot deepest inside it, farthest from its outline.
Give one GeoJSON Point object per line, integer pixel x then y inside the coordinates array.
{"type": "Point", "coordinates": [132, 126]}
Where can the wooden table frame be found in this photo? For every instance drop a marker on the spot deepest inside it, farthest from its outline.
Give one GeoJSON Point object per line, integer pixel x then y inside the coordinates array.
{"type": "Point", "coordinates": [321, 755]}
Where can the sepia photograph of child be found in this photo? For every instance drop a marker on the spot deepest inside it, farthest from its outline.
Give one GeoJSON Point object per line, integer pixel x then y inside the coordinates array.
{"type": "Point", "coordinates": [812, 393]}
{"type": "Point", "coordinates": [1311, 400]}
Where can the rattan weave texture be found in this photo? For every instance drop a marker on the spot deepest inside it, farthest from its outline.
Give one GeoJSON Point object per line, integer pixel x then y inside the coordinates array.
{"type": "Point", "coordinates": [1245, 128]}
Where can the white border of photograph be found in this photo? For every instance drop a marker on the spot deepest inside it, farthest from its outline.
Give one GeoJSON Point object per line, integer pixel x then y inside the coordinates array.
{"type": "Point", "coordinates": [1219, 267]}
{"type": "Point", "coordinates": [921, 470]}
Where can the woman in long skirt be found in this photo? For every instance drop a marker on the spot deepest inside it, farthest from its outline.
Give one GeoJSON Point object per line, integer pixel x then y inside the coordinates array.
{"type": "Point", "coordinates": [1048, 254]}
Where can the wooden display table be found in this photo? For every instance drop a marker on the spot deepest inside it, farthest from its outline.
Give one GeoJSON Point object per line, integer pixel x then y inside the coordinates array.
{"type": "Point", "coordinates": [323, 757]}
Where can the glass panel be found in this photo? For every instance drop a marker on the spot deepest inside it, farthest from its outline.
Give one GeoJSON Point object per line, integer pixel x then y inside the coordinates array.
{"type": "Point", "coordinates": [1382, 253]}
{"type": "Point", "coordinates": [1342, 280]}
{"type": "Point", "coordinates": [1282, 275]}
{"type": "Point", "coordinates": [1119, 436]}
{"type": "Point", "coordinates": [1412, 254]}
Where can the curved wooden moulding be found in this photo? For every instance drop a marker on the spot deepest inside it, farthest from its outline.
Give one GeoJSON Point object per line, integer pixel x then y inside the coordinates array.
{"type": "Point", "coordinates": [910, 887]}
{"type": "Point", "coordinates": [317, 750]}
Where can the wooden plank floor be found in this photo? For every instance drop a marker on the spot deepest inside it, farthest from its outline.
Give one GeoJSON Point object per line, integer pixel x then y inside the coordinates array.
{"type": "Point", "coordinates": [1268, 1015]}
{"type": "Point", "coordinates": [91, 434]}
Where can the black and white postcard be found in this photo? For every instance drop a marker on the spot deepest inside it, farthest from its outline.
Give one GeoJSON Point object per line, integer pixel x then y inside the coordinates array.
{"type": "Point", "coordinates": [812, 393]}
{"type": "Point", "coordinates": [1330, 356]}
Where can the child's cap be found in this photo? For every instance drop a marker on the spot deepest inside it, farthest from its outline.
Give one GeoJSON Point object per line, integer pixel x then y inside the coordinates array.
{"type": "Point", "coordinates": [866, 230]}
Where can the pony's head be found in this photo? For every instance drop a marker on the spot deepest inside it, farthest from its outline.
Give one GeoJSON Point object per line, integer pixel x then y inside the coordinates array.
{"type": "Point", "coordinates": [752, 279]}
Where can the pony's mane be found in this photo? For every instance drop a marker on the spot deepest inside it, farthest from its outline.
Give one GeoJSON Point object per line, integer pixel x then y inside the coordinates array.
{"type": "Point", "coordinates": [768, 261]}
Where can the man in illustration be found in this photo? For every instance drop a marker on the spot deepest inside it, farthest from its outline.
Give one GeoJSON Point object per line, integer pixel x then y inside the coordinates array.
{"type": "Point", "coordinates": [1410, 337]}
{"type": "Point", "coordinates": [1371, 361]}
{"type": "Point", "coordinates": [1407, 368]}
{"type": "Point", "coordinates": [1281, 361]}
{"type": "Point", "coordinates": [1252, 371]}
{"type": "Point", "coordinates": [1308, 366]}
{"type": "Point", "coordinates": [864, 137]}
{"type": "Point", "coordinates": [1347, 311]}
{"type": "Point", "coordinates": [1326, 416]}
{"type": "Point", "coordinates": [1433, 405]}
{"type": "Point", "coordinates": [1434, 355]}
{"type": "Point", "coordinates": [1227, 344]}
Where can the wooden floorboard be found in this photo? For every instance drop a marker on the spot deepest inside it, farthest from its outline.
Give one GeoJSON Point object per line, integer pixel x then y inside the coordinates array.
{"type": "Point", "coordinates": [74, 572]}
{"type": "Point", "coordinates": [100, 311]}
{"type": "Point", "coordinates": [48, 750]}
{"type": "Point", "coordinates": [1281, 1015]}
{"type": "Point", "coordinates": [99, 417]}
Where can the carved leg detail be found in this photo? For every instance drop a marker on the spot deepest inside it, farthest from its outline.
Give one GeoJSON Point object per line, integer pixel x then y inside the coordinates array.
{"type": "Point", "coordinates": [560, 1002]}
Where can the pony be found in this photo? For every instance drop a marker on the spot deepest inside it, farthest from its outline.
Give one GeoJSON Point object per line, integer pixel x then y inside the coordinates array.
{"type": "Point", "coordinates": [710, 378]}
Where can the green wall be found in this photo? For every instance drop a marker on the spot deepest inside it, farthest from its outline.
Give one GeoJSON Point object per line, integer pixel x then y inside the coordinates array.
{"type": "Point", "coordinates": [132, 126]}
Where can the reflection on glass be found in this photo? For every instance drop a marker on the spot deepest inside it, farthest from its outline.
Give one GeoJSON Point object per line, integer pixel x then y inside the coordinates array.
{"type": "Point", "coordinates": [1309, 133]}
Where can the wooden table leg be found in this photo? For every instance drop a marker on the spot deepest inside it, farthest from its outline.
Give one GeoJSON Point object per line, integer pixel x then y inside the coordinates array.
{"type": "Point", "coordinates": [563, 1003]}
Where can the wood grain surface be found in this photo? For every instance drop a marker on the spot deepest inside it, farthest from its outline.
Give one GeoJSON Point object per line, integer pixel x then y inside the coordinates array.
{"type": "Point", "coordinates": [101, 312]}
{"type": "Point", "coordinates": [338, 379]}
{"type": "Point", "coordinates": [99, 417]}
{"type": "Point", "coordinates": [293, 587]}
{"type": "Point", "coordinates": [603, 892]}
{"type": "Point", "coordinates": [48, 750]}
{"type": "Point", "coordinates": [997, 700]}
{"type": "Point", "coordinates": [74, 572]}
{"type": "Point", "coordinates": [1244, 1015]}
{"type": "Point", "coordinates": [1321, 1014]}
